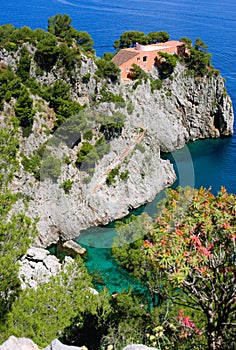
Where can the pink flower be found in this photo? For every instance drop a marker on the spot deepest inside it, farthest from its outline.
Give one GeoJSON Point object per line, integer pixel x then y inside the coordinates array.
{"type": "Point", "coordinates": [205, 252]}
{"type": "Point", "coordinates": [211, 246]}
{"type": "Point", "coordinates": [197, 241]}
{"type": "Point", "coordinates": [187, 322]}
{"type": "Point", "coordinates": [147, 244]}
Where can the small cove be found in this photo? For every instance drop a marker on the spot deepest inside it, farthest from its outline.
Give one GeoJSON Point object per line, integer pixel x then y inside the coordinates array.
{"type": "Point", "coordinates": [200, 163]}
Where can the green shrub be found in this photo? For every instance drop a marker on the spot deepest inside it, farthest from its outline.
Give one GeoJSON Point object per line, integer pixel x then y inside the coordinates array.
{"type": "Point", "coordinates": [66, 185]}
{"type": "Point", "coordinates": [51, 168]}
{"type": "Point", "coordinates": [107, 69]}
{"type": "Point", "coordinates": [167, 64]}
{"type": "Point", "coordinates": [111, 126]}
{"type": "Point", "coordinates": [32, 165]}
{"type": "Point", "coordinates": [87, 179]}
{"type": "Point", "coordinates": [88, 135]}
{"type": "Point", "coordinates": [156, 84]}
{"type": "Point", "coordinates": [23, 69]}
{"type": "Point", "coordinates": [83, 152]}
{"type": "Point", "coordinates": [8, 96]}
{"type": "Point", "coordinates": [137, 72]}
{"type": "Point", "coordinates": [24, 109]}
{"type": "Point", "coordinates": [130, 108]}
{"type": "Point", "coordinates": [47, 53]}
{"type": "Point", "coordinates": [111, 176]}
{"type": "Point", "coordinates": [124, 175]}
{"type": "Point", "coordinates": [86, 78]}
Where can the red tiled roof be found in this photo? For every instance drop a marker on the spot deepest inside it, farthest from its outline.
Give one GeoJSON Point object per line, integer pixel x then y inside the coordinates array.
{"type": "Point", "coordinates": [124, 56]}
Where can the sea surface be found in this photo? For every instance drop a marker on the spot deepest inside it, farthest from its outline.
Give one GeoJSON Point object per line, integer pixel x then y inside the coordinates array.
{"type": "Point", "coordinates": [208, 163]}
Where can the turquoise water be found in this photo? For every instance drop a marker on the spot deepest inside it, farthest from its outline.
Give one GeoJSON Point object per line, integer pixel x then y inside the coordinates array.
{"type": "Point", "coordinates": [190, 166]}
{"type": "Point", "coordinates": [101, 265]}
{"type": "Point", "coordinates": [208, 163]}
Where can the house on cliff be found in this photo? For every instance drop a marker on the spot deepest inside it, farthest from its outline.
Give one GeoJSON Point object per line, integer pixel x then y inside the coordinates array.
{"type": "Point", "coordinates": [145, 56]}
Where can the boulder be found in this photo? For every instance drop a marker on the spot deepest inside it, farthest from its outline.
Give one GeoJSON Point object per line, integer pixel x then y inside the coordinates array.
{"type": "Point", "coordinates": [138, 347]}
{"type": "Point", "coordinates": [57, 345]}
{"type": "Point", "coordinates": [37, 254]}
{"type": "Point", "coordinates": [37, 267]}
{"type": "Point", "coordinates": [13, 343]}
{"type": "Point", "coordinates": [71, 247]}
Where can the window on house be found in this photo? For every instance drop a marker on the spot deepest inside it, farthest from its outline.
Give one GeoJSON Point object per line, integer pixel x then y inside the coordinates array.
{"type": "Point", "coordinates": [138, 58]}
{"type": "Point", "coordinates": [127, 69]}
{"type": "Point", "coordinates": [144, 58]}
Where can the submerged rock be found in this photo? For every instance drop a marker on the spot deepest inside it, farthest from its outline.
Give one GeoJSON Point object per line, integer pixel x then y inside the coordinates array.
{"type": "Point", "coordinates": [70, 248]}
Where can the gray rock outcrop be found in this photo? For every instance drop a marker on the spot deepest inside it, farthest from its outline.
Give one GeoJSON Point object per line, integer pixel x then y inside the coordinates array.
{"type": "Point", "coordinates": [13, 343]}
{"type": "Point", "coordinates": [37, 267]}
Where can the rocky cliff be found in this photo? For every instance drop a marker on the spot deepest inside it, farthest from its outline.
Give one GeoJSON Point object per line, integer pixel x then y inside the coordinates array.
{"type": "Point", "coordinates": [185, 108]}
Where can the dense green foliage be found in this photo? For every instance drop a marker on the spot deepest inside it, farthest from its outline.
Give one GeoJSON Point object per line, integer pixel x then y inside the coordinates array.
{"type": "Point", "coordinates": [107, 96]}
{"type": "Point", "coordinates": [67, 186]}
{"type": "Point", "coordinates": [16, 230]}
{"type": "Point", "coordinates": [24, 109]}
{"type": "Point", "coordinates": [58, 301]}
{"type": "Point", "coordinates": [167, 64]}
{"type": "Point", "coordinates": [59, 29]}
{"type": "Point", "coordinates": [186, 257]}
{"type": "Point", "coordinates": [199, 60]}
{"type": "Point", "coordinates": [111, 126]}
{"type": "Point", "coordinates": [23, 70]}
{"type": "Point", "coordinates": [131, 38]}
{"type": "Point", "coordinates": [107, 69]}
{"type": "Point", "coordinates": [60, 47]}
{"type": "Point", "coordinates": [10, 86]}
{"type": "Point", "coordinates": [60, 26]}
{"type": "Point", "coordinates": [16, 233]}
{"type": "Point", "coordinates": [58, 96]}
{"type": "Point", "coordinates": [9, 145]}
{"type": "Point", "coordinates": [138, 74]}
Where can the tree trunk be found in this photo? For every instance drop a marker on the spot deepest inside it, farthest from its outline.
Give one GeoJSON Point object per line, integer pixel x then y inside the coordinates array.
{"type": "Point", "coordinates": [215, 341]}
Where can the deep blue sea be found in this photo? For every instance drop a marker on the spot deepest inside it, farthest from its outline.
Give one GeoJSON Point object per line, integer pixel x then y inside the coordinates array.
{"type": "Point", "coordinates": [209, 163]}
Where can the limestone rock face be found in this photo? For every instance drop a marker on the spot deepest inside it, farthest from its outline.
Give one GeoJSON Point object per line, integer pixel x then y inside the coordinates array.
{"type": "Point", "coordinates": [185, 109]}
{"type": "Point", "coordinates": [63, 215]}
